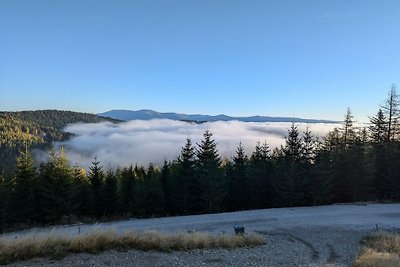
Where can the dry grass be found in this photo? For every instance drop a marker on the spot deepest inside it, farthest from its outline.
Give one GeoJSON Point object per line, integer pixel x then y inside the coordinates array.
{"type": "Point", "coordinates": [381, 249]}
{"type": "Point", "coordinates": [96, 242]}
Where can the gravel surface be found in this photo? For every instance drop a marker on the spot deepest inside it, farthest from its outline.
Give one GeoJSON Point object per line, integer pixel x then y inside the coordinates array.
{"type": "Point", "coordinates": [312, 236]}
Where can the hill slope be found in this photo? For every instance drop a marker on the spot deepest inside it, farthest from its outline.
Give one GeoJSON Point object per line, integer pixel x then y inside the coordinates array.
{"type": "Point", "coordinates": [146, 114]}
{"type": "Point", "coordinates": [39, 129]}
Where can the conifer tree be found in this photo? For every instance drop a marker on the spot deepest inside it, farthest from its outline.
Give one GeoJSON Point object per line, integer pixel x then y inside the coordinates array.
{"type": "Point", "coordinates": [23, 193]}
{"type": "Point", "coordinates": [166, 186]}
{"type": "Point", "coordinates": [290, 181]}
{"type": "Point", "coordinates": [55, 198]}
{"type": "Point", "coordinates": [379, 128]}
{"type": "Point", "coordinates": [3, 204]}
{"type": "Point", "coordinates": [392, 111]}
{"type": "Point", "coordinates": [109, 192]}
{"type": "Point", "coordinates": [152, 196]}
{"type": "Point", "coordinates": [260, 177]}
{"type": "Point", "coordinates": [239, 183]}
{"type": "Point", "coordinates": [209, 173]}
{"type": "Point", "coordinates": [188, 183]}
{"type": "Point", "coordinates": [82, 197]}
{"type": "Point", "coordinates": [127, 197]}
{"type": "Point", "coordinates": [96, 178]}
{"type": "Point", "coordinates": [348, 130]}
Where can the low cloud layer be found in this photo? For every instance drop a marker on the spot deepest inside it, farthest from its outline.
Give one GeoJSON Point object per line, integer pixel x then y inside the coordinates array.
{"type": "Point", "coordinates": [154, 141]}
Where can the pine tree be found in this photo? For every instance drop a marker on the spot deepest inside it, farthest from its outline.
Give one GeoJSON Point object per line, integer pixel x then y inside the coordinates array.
{"type": "Point", "coordinates": [23, 193]}
{"type": "Point", "coordinates": [109, 192]}
{"type": "Point", "coordinates": [127, 197]}
{"type": "Point", "coordinates": [166, 186]}
{"type": "Point", "coordinates": [4, 192]}
{"type": "Point", "coordinates": [293, 148]}
{"type": "Point", "coordinates": [152, 197]}
{"type": "Point", "coordinates": [307, 161]}
{"type": "Point", "coordinates": [209, 174]}
{"type": "Point", "coordinates": [260, 176]}
{"type": "Point", "coordinates": [392, 111]}
{"type": "Point", "coordinates": [290, 181]}
{"type": "Point", "coordinates": [55, 198]}
{"type": "Point", "coordinates": [96, 178]}
{"type": "Point", "coordinates": [239, 184]}
{"type": "Point", "coordinates": [188, 191]}
{"type": "Point", "coordinates": [348, 130]}
{"type": "Point", "coordinates": [82, 197]}
{"type": "Point", "coordinates": [379, 128]}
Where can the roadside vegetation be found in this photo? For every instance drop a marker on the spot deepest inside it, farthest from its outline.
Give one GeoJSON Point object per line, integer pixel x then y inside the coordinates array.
{"type": "Point", "coordinates": [60, 246]}
{"type": "Point", "coordinates": [380, 249]}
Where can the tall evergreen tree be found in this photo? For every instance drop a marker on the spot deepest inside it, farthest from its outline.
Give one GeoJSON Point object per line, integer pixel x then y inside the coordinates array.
{"type": "Point", "coordinates": [23, 193]}
{"type": "Point", "coordinates": [379, 128]}
{"type": "Point", "coordinates": [82, 197]}
{"type": "Point", "coordinates": [189, 191]}
{"type": "Point", "coordinates": [290, 181]}
{"type": "Point", "coordinates": [109, 192]}
{"type": "Point", "coordinates": [392, 110]}
{"type": "Point", "coordinates": [209, 173]}
{"type": "Point", "coordinates": [55, 198]}
{"type": "Point", "coordinates": [96, 178]}
{"type": "Point", "coordinates": [4, 192]}
{"type": "Point", "coordinates": [152, 196]}
{"type": "Point", "coordinates": [260, 177]}
{"type": "Point", "coordinates": [166, 186]}
{"type": "Point", "coordinates": [348, 130]}
{"type": "Point", "coordinates": [239, 183]}
{"type": "Point", "coordinates": [127, 197]}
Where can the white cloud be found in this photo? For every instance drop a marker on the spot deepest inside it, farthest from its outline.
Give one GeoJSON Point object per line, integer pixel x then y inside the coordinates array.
{"type": "Point", "coordinates": [153, 141]}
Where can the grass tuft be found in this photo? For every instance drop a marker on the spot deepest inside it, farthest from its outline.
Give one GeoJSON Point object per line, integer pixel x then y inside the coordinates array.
{"type": "Point", "coordinates": [59, 246]}
{"type": "Point", "coordinates": [381, 249]}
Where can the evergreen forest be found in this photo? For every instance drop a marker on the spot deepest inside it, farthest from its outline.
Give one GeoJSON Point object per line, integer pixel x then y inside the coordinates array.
{"type": "Point", "coordinates": [349, 164]}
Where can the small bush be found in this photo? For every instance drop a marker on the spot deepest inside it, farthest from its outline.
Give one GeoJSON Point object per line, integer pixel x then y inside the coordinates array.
{"type": "Point", "coordinates": [381, 249]}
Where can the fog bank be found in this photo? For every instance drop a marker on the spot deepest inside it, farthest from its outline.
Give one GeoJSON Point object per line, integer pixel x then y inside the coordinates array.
{"type": "Point", "coordinates": [143, 142]}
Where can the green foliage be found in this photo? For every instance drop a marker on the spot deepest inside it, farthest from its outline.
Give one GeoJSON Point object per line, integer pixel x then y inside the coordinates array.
{"type": "Point", "coordinates": [96, 178]}
{"type": "Point", "coordinates": [37, 129]}
{"type": "Point", "coordinates": [24, 189]}
{"type": "Point", "coordinates": [55, 188]}
{"type": "Point", "coordinates": [209, 174]}
{"type": "Point", "coordinates": [349, 164]}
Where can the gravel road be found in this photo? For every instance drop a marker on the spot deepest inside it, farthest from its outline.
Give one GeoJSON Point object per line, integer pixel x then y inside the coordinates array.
{"type": "Point", "coordinates": [306, 236]}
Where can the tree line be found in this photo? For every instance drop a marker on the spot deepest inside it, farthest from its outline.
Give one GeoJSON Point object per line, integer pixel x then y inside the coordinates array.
{"type": "Point", "coordinates": [349, 164]}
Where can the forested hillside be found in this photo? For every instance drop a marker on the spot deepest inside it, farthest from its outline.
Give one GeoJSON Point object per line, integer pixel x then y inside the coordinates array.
{"type": "Point", "coordinates": [37, 129]}
{"type": "Point", "coordinates": [349, 164]}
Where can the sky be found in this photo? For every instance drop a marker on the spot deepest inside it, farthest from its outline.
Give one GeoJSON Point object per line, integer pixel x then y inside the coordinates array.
{"type": "Point", "coordinates": [300, 58]}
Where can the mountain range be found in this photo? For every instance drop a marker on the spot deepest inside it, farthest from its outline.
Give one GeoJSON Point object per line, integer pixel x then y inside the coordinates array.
{"type": "Point", "coordinates": [146, 114]}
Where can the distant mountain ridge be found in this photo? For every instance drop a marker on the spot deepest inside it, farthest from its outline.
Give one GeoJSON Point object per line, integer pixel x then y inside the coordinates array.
{"type": "Point", "coordinates": [147, 114]}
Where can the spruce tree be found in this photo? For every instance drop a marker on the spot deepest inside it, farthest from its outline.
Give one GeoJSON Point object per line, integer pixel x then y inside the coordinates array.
{"type": "Point", "coordinates": [260, 177]}
{"type": "Point", "coordinates": [291, 183]}
{"type": "Point", "coordinates": [55, 196]}
{"type": "Point", "coordinates": [152, 196]}
{"type": "Point", "coordinates": [392, 111]}
{"type": "Point", "coordinates": [348, 134]}
{"type": "Point", "coordinates": [127, 197]}
{"type": "Point", "coordinates": [188, 184]}
{"type": "Point", "coordinates": [81, 192]}
{"type": "Point", "coordinates": [3, 204]}
{"type": "Point", "coordinates": [379, 128]}
{"type": "Point", "coordinates": [23, 193]}
{"type": "Point", "coordinates": [96, 178]}
{"type": "Point", "coordinates": [109, 193]}
{"type": "Point", "coordinates": [209, 173]}
{"type": "Point", "coordinates": [239, 182]}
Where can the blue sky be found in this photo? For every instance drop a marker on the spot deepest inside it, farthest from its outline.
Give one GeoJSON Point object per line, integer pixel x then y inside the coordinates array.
{"type": "Point", "coordinates": [300, 58]}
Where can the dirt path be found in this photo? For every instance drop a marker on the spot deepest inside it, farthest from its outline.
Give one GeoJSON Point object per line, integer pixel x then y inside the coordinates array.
{"type": "Point", "coordinates": [309, 236]}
